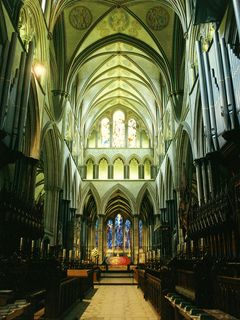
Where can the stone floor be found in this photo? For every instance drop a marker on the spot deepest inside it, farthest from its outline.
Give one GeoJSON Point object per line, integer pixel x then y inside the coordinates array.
{"type": "Point", "coordinates": [109, 302]}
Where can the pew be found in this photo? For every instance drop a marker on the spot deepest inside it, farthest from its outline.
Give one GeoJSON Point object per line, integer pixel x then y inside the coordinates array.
{"type": "Point", "coordinates": [154, 284]}
{"type": "Point", "coordinates": [60, 296]}
{"type": "Point", "coordinates": [203, 290]}
{"type": "Point", "coordinates": [85, 277]}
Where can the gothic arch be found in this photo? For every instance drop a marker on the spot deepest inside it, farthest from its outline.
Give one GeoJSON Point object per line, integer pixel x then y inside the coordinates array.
{"type": "Point", "coordinates": [169, 182]}
{"type": "Point", "coordinates": [118, 188]}
{"type": "Point", "coordinates": [185, 145]}
{"type": "Point", "coordinates": [147, 188]}
{"type": "Point", "coordinates": [50, 152]}
{"type": "Point", "coordinates": [134, 156]}
{"type": "Point", "coordinates": [84, 193]}
{"type": "Point", "coordinates": [32, 139]}
{"type": "Point", "coordinates": [67, 182]}
{"type": "Point", "coordinates": [119, 156]}
{"type": "Point", "coordinates": [32, 17]}
{"type": "Point", "coordinates": [74, 191]}
{"type": "Point", "coordinates": [103, 156]}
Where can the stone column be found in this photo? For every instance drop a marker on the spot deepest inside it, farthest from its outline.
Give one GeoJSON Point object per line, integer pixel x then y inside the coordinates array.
{"type": "Point", "coordinates": [197, 164]}
{"type": "Point", "coordinates": [77, 235]}
{"type": "Point", "coordinates": [70, 237]}
{"type": "Point", "coordinates": [153, 171]}
{"type": "Point", "coordinates": [95, 171]}
{"type": "Point", "coordinates": [126, 171]}
{"type": "Point", "coordinates": [100, 238]}
{"type": "Point", "coordinates": [110, 171]}
{"type": "Point", "coordinates": [150, 231]}
{"type": "Point", "coordinates": [83, 171]}
{"type": "Point", "coordinates": [205, 181]}
{"type": "Point", "coordinates": [65, 214]}
{"type": "Point", "coordinates": [135, 238]}
{"type": "Point", "coordinates": [83, 239]}
{"type": "Point", "coordinates": [51, 205]}
{"type": "Point", "coordinates": [210, 179]}
{"type": "Point", "coordinates": [141, 171]}
{"type": "Point", "coordinates": [90, 237]}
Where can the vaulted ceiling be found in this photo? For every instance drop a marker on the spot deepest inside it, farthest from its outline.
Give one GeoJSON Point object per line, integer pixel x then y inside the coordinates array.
{"type": "Point", "coordinates": [113, 54]}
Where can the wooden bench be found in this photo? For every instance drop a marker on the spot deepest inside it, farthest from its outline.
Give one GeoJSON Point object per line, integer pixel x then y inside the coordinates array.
{"type": "Point", "coordinates": [86, 279]}
{"type": "Point", "coordinates": [180, 308]}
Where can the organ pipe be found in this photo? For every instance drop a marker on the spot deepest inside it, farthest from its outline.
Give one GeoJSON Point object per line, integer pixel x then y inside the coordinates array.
{"type": "Point", "coordinates": [221, 84]}
{"type": "Point", "coordinates": [18, 100]}
{"type": "Point", "coordinates": [25, 96]}
{"type": "Point", "coordinates": [211, 102]}
{"type": "Point", "coordinates": [204, 98]}
{"type": "Point", "coordinates": [3, 67]}
{"type": "Point", "coordinates": [228, 83]}
{"type": "Point", "coordinates": [7, 82]}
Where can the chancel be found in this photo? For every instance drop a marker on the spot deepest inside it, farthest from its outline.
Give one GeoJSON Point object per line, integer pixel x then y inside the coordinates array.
{"type": "Point", "coordinates": [119, 159]}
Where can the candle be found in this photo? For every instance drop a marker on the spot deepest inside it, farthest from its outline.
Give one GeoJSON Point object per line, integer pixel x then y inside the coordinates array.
{"type": "Point", "coordinates": [185, 247]}
{"type": "Point", "coordinates": [48, 248]}
{"type": "Point", "coordinates": [201, 243]}
{"type": "Point", "coordinates": [153, 254]}
{"type": "Point", "coordinates": [21, 243]}
{"type": "Point", "coordinates": [64, 253]}
{"type": "Point", "coordinates": [178, 248]}
{"type": "Point", "coordinates": [32, 246]}
{"type": "Point", "coordinates": [41, 247]}
{"type": "Point", "coordinates": [158, 253]}
{"type": "Point", "coordinates": [70, 254]}
{"type": "Point", "coordinates": [192, 245]}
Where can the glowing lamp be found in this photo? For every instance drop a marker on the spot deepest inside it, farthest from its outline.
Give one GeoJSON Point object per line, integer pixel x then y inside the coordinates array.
{"type": "Point", "coordinates": [39, 69]}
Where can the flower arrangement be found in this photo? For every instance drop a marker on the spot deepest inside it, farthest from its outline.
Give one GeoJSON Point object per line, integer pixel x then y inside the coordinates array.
{"type": "Point", "coordinates": [94, 253]}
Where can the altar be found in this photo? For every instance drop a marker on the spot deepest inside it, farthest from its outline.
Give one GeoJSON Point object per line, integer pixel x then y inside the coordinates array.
{"type": "Point", "coordinates": [118, 261]}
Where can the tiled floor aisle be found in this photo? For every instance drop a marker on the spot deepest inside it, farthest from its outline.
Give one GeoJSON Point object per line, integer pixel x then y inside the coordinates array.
{"type": "Point", "coordinates": [114, 303]}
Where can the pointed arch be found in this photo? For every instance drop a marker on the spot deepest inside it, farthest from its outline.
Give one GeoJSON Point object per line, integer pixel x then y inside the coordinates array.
{"type": "Point", "coordinates": [50, 153]}
{"type": "Point", "coordinates": [147, 189]}
{"type": "Point", "coordinates": [84, 193]}
{"type": "Point", "coordinates": [67, 182]}
{"type": "Point", "coordinates": [126, 193]}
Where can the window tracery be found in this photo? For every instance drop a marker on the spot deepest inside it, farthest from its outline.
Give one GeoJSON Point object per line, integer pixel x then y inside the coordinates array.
{"type": "Point", "coordinates": [118, 129]}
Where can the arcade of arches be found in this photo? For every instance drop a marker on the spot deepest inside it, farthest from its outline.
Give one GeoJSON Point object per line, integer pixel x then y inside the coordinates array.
{"type": "Point", "coordinates": [119, 133]}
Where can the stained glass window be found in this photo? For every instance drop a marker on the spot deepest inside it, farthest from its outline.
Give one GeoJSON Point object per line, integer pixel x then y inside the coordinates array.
{"type": "Point", "coordinates": [110, 234]}
{"type": "Point", "coordinates": [127, 234]}
{"type": "Point", "coordinates": [140, 230]}
{"type": "Point", "coordinates": [118, 129]}
{"type": "Point", "coordinates": [132, 133]}
{"type": "Point", "coordinates": [118, 231]}
{"type": "Point", "coordinates": [105, 132]}
{"type": "Point", "coordinates": [96, 233]}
